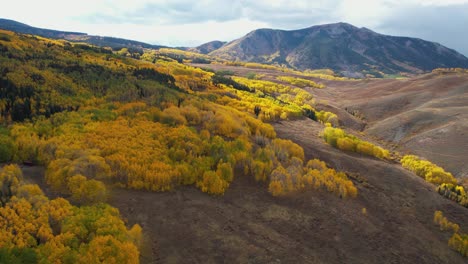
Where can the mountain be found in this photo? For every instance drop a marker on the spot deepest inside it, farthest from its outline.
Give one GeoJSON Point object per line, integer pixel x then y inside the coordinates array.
{"type": "Point", "coordinates": [208, 47]}
{"type": "Point", "coordinates": [115, 43]}
{"type": "Point", "coordinates": [341, 47]}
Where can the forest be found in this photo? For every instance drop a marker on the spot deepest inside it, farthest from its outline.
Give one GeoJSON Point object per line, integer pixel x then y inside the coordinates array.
{"type": "Point", "coordinates": [100, 119]}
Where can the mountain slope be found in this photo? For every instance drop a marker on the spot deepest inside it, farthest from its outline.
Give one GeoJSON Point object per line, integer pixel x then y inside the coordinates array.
{"type": "Point", "coordinates": [208, 47]}
{"type": "Point", "coordinates": [341, 47]}
{"type": "Point", "coordinates": [427, 114]}
{"type": "Point", "coordinates": [73, 36]}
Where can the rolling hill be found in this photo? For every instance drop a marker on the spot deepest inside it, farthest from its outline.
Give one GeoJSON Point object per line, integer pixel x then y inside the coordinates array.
{"type": "Point", "coordinates": [341, 47]}
{"type": "Point", "coordinates": [112, 42]}
{"type": "Point", "coordinates": [426, 114]}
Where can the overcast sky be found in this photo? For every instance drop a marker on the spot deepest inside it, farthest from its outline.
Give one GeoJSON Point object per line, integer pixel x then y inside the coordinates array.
{"type": "Point", "coordinates": [192, 22]}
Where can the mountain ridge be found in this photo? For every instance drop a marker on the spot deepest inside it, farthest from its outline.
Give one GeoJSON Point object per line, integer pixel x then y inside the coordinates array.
{"type": "Point", "coordinates": [342, 47]}
{"type": "Point", "coordinates": [113, 42]}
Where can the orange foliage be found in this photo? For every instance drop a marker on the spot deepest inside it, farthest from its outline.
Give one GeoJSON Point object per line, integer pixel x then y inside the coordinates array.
{"type": "Point", "coordinates": [58, 231]}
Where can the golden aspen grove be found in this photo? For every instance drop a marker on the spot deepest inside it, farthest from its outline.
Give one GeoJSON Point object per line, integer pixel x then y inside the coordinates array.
{"type": "Point", "coordinates": [81, 124]}
{"type": "Point", "coordinates": [36, 229]}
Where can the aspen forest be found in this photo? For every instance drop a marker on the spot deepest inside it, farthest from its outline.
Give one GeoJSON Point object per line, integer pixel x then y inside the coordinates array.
{"type": "Point", "coordinates": [98, 119]}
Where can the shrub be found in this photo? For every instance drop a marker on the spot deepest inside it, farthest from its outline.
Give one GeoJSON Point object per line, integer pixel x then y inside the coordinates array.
{"type": "Point", "coordinates": [427, 170]}
{"type": "Point", "coordinates": [458, 241]}
{"type": "Point", "coordinates": [338, 138]}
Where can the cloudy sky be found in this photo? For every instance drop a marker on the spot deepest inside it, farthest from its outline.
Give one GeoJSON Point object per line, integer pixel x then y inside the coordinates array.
{"type": "Point", "coordinates": [193, 22]}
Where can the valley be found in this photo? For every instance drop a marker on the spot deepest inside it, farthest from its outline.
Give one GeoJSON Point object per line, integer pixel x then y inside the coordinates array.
{"type": "Point", "coordinates": [413, 115]}
{"type": "Point", "coordinates": [144, 154]}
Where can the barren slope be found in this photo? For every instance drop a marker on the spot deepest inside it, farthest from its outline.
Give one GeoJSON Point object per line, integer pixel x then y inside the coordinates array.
{"type": "Point", "coordinates": [426, 115]}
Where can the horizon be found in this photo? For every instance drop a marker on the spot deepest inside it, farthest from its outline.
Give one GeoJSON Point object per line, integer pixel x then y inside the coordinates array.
{"type": "Point", "coordinates": [184, 23]}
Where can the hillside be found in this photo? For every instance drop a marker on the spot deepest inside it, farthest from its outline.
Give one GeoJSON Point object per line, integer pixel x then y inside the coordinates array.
{"type": "Point", "coordinates": [208, 47]}
{"type": "Point", "coordinates": [160, 161]}
{"type": "Point", "coordinates": [341, 47]}
{"type": "Point", "coordinates": [112, 42]}
{"type": "Point", "coordinates": [427, 114]}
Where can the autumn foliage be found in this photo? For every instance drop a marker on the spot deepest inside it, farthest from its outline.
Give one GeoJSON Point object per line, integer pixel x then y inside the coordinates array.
{"type": "Point", "coordinates": [300, 82]}
{"type": "Point", "coordinates": [458, 241]}
{"type": "Point", "coordinates": [427, 170]}
{"type": "Point", "coordinates": [54, 231]}
{"type": "Point", "coordinates": [454, 192]}
{"type": "Point", "coordinates": [315, 175]}
{"type": "Point", "coordinates": [338, 138]}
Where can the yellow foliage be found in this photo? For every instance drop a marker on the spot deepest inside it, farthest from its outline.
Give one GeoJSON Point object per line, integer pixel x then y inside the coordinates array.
{"type": "Point", "coordinates": [316, 164]}
{"type": "Point", "coordinates": [340, 139]}
{"type": "Point", "coordinates": [107, 249]}
{"type": "Point", "coordinates": [136, 235]}
{"type": "Point", "coordinates": [275, 188]}
{"type": "Point", "coordinates": [443, 222]}
{"type": "Point", "coordinates": [27, 143]}
{"type": "Point", "coordinates": [59, 232]}
{"type": "Point", "coordinates": [454, 192]}
{"type": "Point", "coordinates": [346, 144]}
{"type": "Point", "coordinates": [427, 170]}
{"type": "Point", "coordinates": [212, 183]}
{"type": "Point", "coordinates": [294, 96]}
{"type": "Point", "coordinates": [86, 191]}
{"type": "Point", "coordinates": [327, 117]}
{"type": "Point", "coordinates": [286, 149]}
{"type": "Point", "coordinates": [10, 178]}
{"type": "Point", "coordinates": [315, 175]}
{"type": "Point", "coordinates": [300, 82]}
{"type": "Point", "coordinates": [458, 241]}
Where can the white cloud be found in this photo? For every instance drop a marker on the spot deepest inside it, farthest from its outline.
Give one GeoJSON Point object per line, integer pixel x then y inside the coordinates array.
{"type": "Point", "coordinates": [171, 35]}
{"type": "Point", "coordinates": [366, 13]}
{"type": "Point", "coordinates": [442, 2]}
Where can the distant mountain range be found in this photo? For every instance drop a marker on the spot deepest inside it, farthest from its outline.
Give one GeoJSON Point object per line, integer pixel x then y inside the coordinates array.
{"type": "Point", "coordinates": [341, 47]}
{"type": "Point", "coordinates": [115, 43]}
